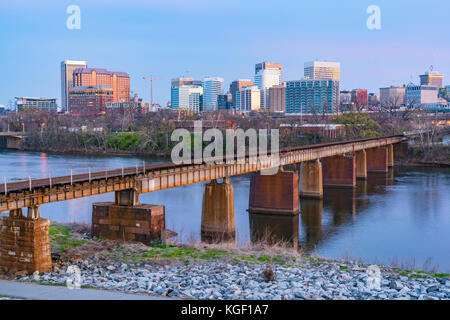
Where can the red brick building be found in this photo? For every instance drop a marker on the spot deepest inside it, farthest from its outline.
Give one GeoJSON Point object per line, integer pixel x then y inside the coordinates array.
{"type": "Point", "coordinates": [119, 82]}
{"type": "Point", "coordinates": [89, 100]}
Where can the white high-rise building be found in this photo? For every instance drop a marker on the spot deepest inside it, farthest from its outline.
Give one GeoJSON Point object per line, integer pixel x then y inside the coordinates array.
{"type": "Point", "coordinates": [267, 75]}
{"type": "Point", "coordinates": [323, 70]}
{"type": "Point", "coordinates": [212, 87]}
{"type": "Point", "coordinates": [67, 68]}
{"type": "Point", "coordinates": [249, 99]}
{"type": "Point", "coordinates": [187, 94]}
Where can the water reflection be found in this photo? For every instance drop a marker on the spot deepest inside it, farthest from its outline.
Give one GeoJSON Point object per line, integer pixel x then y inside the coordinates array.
{"type": "Point", "coordinates": [274, 228]}
{"type": "Point", "coordinates": [311, 217]}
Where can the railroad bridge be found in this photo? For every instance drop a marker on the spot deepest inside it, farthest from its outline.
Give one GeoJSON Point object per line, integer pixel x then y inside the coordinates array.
{"type": "Point", "coordinates": [24, 240]}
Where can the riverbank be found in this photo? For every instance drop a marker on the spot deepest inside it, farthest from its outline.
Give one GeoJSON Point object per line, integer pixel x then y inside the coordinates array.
{"type": "Point", "coordinates": [201, 271]}
{"type": "Point", "coordinates": [164, 155]}
{"type": "Point", "coordinates": [423, 163]}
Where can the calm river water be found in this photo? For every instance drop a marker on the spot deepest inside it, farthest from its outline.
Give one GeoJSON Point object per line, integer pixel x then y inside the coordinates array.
{"type": "Point", "coordinates": [401, 218]}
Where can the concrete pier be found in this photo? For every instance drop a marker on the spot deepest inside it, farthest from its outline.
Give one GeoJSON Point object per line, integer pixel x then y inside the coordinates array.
{"type": "Point", "coordinates": [361, 165]}
{"type": "Point", "coordinates": [377, 160]}
{"type": "Point", "coordinates": [390, 149]}
{"type": "Point", "coordinates": [339, 171]}
{"type": "Point", "coordinates": [218, 212]}
{"type": "Point", "coordinates": [311, 184]}
{"type": "Point", "coordinates": [275, 194]}
{"type": "Point", "coordinates": [128, 197]}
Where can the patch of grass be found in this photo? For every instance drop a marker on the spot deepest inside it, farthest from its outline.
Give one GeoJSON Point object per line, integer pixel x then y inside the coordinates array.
{"type": "Point", "coordinates": [61, 237]}
{"type": "Point", "coordinates": [441, 275]}
{"type": "Point", "coordinates": [344, 268]}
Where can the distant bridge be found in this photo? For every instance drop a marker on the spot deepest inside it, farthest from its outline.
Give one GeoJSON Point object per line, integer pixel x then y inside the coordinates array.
{"type": "Point", "coordinates": [11, 140]}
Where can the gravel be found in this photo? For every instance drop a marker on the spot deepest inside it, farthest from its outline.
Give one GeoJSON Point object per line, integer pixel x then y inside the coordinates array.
{"type": "Point", "coordinates": [222, 280]}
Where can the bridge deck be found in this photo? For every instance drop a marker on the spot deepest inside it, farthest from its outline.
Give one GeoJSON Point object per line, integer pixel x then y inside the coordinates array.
{"type": "Point", "coordinates": [163, 176]}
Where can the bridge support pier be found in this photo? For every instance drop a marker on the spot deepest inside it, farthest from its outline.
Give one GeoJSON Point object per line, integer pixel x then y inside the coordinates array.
{"type": "Point", "coordinates": [25, 242]}
{"type": "Point", "coordinates": [339, 171]}
{"type": "Point", "coordinates": [128, 197]}
{"type": "Point", "coordinates": [128, 220]}
{"type": "Point", "coordinates": [390, 149]}
{"type": "Point", "coordinates": [311, 184]}
{"type": "Point", "coordinates": [377, 160]}
{"type": "Point", "coordinates": [277, 194]}
{"type": "Point", "coordinates": [218, 212]}
{"type": "Point", "coordinates": [401, 149]}
{"type": "Point", "coordinates": [361, 165]}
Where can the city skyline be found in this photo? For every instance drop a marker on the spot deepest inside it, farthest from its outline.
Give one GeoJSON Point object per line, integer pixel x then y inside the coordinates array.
{"type": "Point", "coordinates": [151, 46]}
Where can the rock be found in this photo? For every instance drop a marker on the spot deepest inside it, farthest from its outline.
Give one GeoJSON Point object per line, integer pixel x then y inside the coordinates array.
{"type": "Point", "coordinates": [268, 274]}
{"type": "Point", "coordinates": [396, 285]}
{"type": "Point", "coordinates": [432, 289]}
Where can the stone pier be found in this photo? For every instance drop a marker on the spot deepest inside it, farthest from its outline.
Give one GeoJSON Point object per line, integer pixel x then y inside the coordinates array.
{"type": "Point", "coordinates": [311, 184]}
{"type": "Point", "coordinates": [274, 194]}
{"type": "Point", "coordinates": [218, 212]}
{"type": "Point", "coordinates": [127, 220]}
{"type": "Point", "coordinates": [339, 171]}
{"type": "Point", "coordinates": [377, 159]}
{"type": "Point", "coordinates": [25, 242]}
{"type": "Point", "coordinates": [361, 165]}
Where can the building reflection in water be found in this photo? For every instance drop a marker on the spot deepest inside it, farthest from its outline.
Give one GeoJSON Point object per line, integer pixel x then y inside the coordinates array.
{"type": "Point", "coordinates": [274, 229]}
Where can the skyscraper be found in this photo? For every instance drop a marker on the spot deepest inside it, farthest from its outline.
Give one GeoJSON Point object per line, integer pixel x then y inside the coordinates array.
{"type": "Point", "coordinates": [186, 93]}
{"type": "Point", "coordinates": [119, 82]}
{"type": "Point", "coordinates": [312, 96]}
{"type": "Point", "coordinates": [323, 70]}
{"type": "Point", "coordinates": [267, 74]}
{"type": "Point", "coordinates": [432, 78]}
{"type": "Point", "coordinates": [277, 98]}
{"type": "Point", "coordinates": [237, 85]}
{"type": "Point", "coordinates": [212, 87]}
{"type": "Point", "coordinates": [249, 99]}
{"type": "Point", "coordinates": [67, 69]}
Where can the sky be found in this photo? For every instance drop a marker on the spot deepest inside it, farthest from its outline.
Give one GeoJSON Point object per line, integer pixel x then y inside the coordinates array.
{"type": "Point", "coordinates": [226, 38]}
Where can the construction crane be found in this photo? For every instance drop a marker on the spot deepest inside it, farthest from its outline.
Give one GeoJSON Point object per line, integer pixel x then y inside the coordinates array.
{"type": "Point", "coordinates": [151, 78]}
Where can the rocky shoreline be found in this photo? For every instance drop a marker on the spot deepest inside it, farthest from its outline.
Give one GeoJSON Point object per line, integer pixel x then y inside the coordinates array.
{"type": "Point", "coordinates": [236, 276]}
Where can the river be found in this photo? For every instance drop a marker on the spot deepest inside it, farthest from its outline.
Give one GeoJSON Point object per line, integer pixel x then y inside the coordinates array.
{"type": "Point", "coordinates": [402, 218]}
